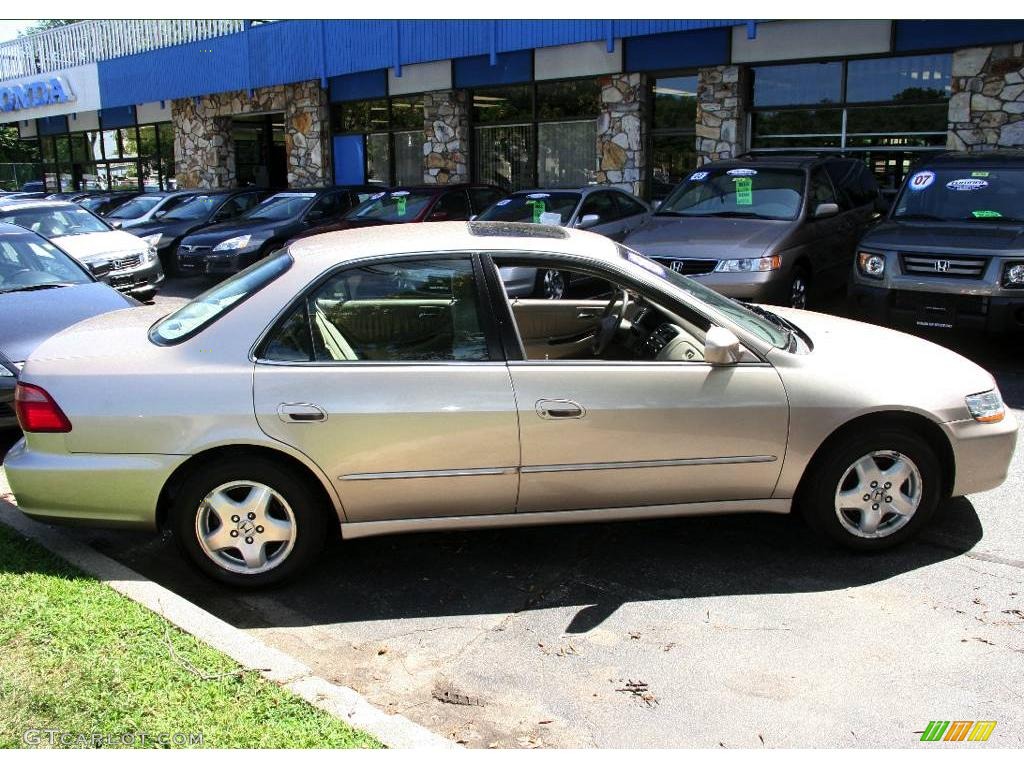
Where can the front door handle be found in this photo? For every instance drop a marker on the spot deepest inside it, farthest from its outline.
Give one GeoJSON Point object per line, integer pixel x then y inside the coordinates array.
{"type": "Point", "coordinates": [560, 409]}
{"type": "Point", "coordinates": [301, 413]}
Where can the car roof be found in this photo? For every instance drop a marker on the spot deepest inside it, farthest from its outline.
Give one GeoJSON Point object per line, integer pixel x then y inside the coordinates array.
{"type": "Point", "coordinates": [320, 252]}
{"type": "Point", "coordinates": [1011, 158]}
{"type": "Point", "coordinates": [14, 229]}
{"type": "Point", "coordinates": [24, 205]}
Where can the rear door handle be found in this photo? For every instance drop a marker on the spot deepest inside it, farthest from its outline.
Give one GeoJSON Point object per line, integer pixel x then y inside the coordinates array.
{"type": "Point", "coordinates": [301, 413]}
{"type": "Point", "coordinates": [560, 409]}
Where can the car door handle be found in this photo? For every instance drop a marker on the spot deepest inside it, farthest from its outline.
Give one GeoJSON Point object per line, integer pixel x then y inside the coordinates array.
{"type": "Point", "coordinates": [301, 413]}
{"type": "Point", "coordinates": [586, 315]}
{"type": "Point", "coordinates": [560, 409]}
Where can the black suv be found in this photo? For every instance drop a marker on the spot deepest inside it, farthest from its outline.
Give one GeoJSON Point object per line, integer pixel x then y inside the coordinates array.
{"type": "Point", "coordinates": [951, 252]}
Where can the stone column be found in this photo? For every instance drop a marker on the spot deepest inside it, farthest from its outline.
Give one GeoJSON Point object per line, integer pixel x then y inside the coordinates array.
{"type": "Point", "coordinates": [307, 134]}
{"type": "Point", "coordinates": [986, 109]}
{"type": "Point", "coordinates": [721, 113]}
{"type": "Point", "coordinates": [204, 155]}
{"type": "Point", "coordinates": [620, 151]}
{"type": "Point", "coordinates": [446, 130]}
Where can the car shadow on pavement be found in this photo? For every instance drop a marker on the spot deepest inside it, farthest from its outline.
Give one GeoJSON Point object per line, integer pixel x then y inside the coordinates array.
{"type": "Point", "coordinates": [596, 568]}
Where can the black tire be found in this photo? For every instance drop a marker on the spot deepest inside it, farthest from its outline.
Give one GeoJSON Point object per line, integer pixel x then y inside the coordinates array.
{"type": "Point", "coordinates": [310, 518]}
{"type": "Point", "coordinates": [543, 290]}
{"type": "Point", "coordinates": [801, 276]}
{"type": "Point", "coordinates": [816, 499]}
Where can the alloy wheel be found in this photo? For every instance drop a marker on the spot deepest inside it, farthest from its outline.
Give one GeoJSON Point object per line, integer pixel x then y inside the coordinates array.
{"type": "Point", "coordinates": [245, 527]}
{"type": "Point", "coordinates": [878, 494]}
{"type": "Point", "coordinates": [798, 292]}
{"type": "Point", "coordinates": [553, 284]}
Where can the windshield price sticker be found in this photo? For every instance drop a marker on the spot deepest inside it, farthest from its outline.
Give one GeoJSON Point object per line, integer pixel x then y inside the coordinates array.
{"type": "Point", "coordinates": [744, 190]}
{"type": "Point", "coordinates": [979, 174]}
{"type": "Point", "coordinates": [400, 203]}
{"type": "Point", "coordinates": [551, 217]}
{"type": "Point", "coordinates": [966, 185]}
{"type": "Point", "coordinates": [742, 172]}
{"type": "Point", "coordinates": [922, 180]}
{"type": "Point", "coordinates": [538, 207]}
{"type": "Point", "coordinates": [698, 176]}
{"type": "Point", "coordinates": [986, 214]}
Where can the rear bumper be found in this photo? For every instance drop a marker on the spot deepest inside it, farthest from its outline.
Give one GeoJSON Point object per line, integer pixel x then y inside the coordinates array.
{"type": "Point", "coordinates": [982, 453]}
{"type": "Point", "coordinates": [924, 309]}
{"type": "Point", "coordinates": [112, 490]}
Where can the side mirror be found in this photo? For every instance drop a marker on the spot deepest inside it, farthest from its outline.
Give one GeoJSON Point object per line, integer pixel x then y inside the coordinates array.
{"type": "Point", "coordinates": [99, 268]}
{"type": "Point", "coordinates": [161, 213]}
{"type": "Point", "coordinates": [588, 221]}
{"type": "Point", "coordinates": [721, 347]}
{"type": "Point", "coordinates": [824, 210]}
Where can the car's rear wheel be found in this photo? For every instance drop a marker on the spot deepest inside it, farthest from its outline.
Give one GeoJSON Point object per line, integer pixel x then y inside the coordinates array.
{"type": "Point", "coordinates": [248, 523]}
{"type": "Point", "coordinates": [874, 491]}
{"type": "Point", "coordinates": [551, 284]}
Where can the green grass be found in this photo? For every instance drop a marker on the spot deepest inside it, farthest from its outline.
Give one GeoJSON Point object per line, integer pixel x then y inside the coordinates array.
{"type": "Point", "coordinates": [77, 657]}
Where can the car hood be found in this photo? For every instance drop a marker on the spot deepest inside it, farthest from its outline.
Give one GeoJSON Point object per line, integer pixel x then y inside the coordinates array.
{"type": "Point", "coordinates": [704, 238]}
{"type": "Point", "coordinates": [936, 236]}
{"type": "Point", "coordinates": [164, 227]}
{"type": "Point", "coordinates": [218, 233]}
{"type": "Point", "coordinates": [31, 317]}
{"type": "Point", "coordinates": [857, 360]}
{"type": "Point", "coordinates": [95, 245]}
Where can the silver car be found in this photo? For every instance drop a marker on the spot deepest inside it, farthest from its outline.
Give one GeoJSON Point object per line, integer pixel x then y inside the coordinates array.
{"type": "Point", "coordinates": [605, 210]}
{"type": "Point", "coordinates": [380, 381]}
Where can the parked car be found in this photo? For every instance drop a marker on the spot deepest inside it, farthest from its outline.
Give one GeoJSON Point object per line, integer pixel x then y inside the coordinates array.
{"type": "Point", "coordinates": [380, 380]}
{"type": "Point", "coordinates": [166, 229]}
{"type": "Point", "coordinates": [9, 196]}
{"type": "Point", "coordinates": [147, 207]}
{"type": "Point", "coordinates": [406, 205]}
{"type": "Point", "coordinates": [605, 210]}
{"type": "Point", "coordinates": [134, 266]}
{"type": "Point", "coordinates": [42, 290]}
{"type": "Point", "coordinates": [33, 186]}
{"type": "Point", "coordinates": [101, 203]}
{"type": "Point", "coordinates": [227, 247]}
{"type": "Point", "coordinates": [951, 252]}
{"type": "Point", "coordinates": [776, 230]}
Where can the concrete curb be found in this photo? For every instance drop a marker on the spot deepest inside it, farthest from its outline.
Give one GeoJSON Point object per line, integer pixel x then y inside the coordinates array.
{"type": "Point", "coordinates": [344, 703]}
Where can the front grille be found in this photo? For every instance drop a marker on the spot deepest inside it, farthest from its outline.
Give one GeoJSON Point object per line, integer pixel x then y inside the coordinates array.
{"type": "Point", "coordinates": [689, 266]}
{"type": "Point", "coordinates": [125, 262]}
{"type": "Point", "coordinates": [189, 250]}
{"type": "Point", "coordinates": [969, 267]}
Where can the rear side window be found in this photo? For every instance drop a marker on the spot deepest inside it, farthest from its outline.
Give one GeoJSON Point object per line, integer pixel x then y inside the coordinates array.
{"type": "Point", "coordinates": [204, 310]}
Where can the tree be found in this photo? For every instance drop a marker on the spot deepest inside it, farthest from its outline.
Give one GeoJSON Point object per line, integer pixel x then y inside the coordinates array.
{"type": "Point", "coordinates": [44, 24]}
{"type": "Point", "coordinates": [13, 149]}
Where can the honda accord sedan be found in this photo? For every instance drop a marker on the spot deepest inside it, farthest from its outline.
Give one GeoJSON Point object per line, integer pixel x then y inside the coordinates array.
{"type": "Point", "coordinates": [381, 381]}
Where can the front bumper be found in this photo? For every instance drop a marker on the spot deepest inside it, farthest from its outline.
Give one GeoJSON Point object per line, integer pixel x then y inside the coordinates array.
{"type": "Point", "coordinates": [209, 262]}
{"type": "Point", "coordinates": [139, 281]}
{"type": "Point", "coordinates": [113, 490]}
{"type": "Point", "coordinates": [925, 309]}
{"type": "Point", "coordinates": [982, 453]}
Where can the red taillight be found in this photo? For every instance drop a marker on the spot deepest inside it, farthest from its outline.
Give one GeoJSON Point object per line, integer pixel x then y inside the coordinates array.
{"type": "Point", "coordinates": [37, 411]}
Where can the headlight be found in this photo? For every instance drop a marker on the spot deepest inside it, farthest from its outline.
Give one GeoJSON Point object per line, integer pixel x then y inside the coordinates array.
{"type": "Point", "coordinates": [233, 244]}
{"type": "Point", "coordinates": [1013, 275]}
{"type": "Point", "coordinates": [871, 264]}
{"type": "Point", "coordinates": [986, 407]}
{"type": "Point", "coordinates": [762, 264]}
{"type": "Point", "coordinates": [149, 255]}
{"type": "Point", "coordinates": [154, 239]}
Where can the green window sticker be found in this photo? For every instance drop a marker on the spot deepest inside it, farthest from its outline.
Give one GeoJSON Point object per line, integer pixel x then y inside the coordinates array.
{"type": "Point", "coordinates": [986, 214]}
{"type": "Point", "coordinates": [538, 207]}
{"type": "Point", "coordinates": [979, 174]}
{"type": "Point", "coordinates": [400, 205]}
{"type": "Point", "coordinates": [744, 190]}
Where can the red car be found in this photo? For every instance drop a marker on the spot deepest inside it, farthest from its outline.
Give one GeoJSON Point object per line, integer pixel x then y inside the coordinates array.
{"type": "Point", "coordinates": [404, 205]}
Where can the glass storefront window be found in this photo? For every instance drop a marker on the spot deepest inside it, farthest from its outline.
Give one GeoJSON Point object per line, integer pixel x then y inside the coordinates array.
{"type": "Point", "coordinates": [123, 176]}
{"type": "Point", "coordinates": [63, 145]}
{"type": "Point", "coordinates": [672, 158]}
{"type": "Point", "coordinates": [500, 105]}
{"type": "Point", "coordinates": [504, 156]}
{"type": "Point", "coordinates": [111, 144]}
{"type": "Point", "coordinates": [675, 103]}
{"type": "Point", "coordinates": [567, 99]}
{"type": "Point", "coordinates": [565, 153]}
{"type": "Point", "coordinates": [901, 79]}
{"type": "Point", "coordinates": [409, 156]}
{"type": "Point", "coordinates": [407, 113]}
{"type": "Point", "coordinates": [378, 162]}
{"type": "Point", "coordinates": [165, 161]}
{"type": "Point", "coordinates": [360, 116]}
{"type": "Point", "coordinates": [49, 153]}
{"type": "Point", "coordinates": [798, 84]}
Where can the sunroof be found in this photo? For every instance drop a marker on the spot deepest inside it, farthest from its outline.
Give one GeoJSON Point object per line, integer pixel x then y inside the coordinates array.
{"type": "Point", "coordinates": [515, 229]}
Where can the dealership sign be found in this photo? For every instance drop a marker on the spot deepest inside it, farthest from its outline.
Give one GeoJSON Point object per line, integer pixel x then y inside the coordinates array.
{"type": "Point", "coordinates": [38, 93]}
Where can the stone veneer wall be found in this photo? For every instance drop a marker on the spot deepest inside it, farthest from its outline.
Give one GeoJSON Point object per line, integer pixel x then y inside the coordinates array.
{"type": "Point", "coordinates": [620, 150]}
{"type": "Point", "coordinates": [204, 153]}
{"type": "Point", "coordinates": [986, 109]}
{"type": "Point", "coordinates": [721, 113]}
{"type": "Point", "coordinates": [446, 133]}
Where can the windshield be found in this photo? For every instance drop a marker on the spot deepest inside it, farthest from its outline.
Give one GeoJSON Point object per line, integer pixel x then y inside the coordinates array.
{"type": "Point", "coordinates": [138, 206]}
{"type": "Point", "coordinates": [534, 207]}
{"type": "Point", "coordinates": [198, 207]}
{"type": "Point", "coordinates": [207, 307]}
{"type": "Point", "coordinates": [56, 222]}
{"type": "Point", "coordinates": [774, 333]}
{"type": "Point", "coordinates": [962, 194]}
{"type": "Point", "coordinates": [394, 207]}
{"type": "Point", "coordinates": [28, 261]}
{"type": "Point", "coordinates": [755, 193]}
{"type": "Point", "coordinates": [286, 205]}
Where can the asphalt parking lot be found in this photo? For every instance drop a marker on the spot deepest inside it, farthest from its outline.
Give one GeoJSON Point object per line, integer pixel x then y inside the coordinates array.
{"type": "Point", "coordinates": [731, 631]}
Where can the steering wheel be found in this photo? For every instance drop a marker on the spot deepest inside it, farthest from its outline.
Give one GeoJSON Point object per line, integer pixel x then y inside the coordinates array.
{"type": "Point", "coordinates": [610, 322]}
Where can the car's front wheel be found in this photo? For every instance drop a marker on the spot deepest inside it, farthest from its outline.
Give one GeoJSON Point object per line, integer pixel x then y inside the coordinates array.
{"type": "Point", "coordinates": [551, 284]}
{"type": "Point", "coordinates": [248, 522]}
{"type": "Point", "coordinates": [874, 491]}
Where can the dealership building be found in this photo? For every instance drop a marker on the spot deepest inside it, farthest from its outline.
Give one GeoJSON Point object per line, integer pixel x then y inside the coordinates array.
{"type": "Point", "coordinates": [212, 103]}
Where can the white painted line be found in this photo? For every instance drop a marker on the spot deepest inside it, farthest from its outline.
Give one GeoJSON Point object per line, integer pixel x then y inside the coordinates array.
{"type": "Point", "coordinates": [344, 703]}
